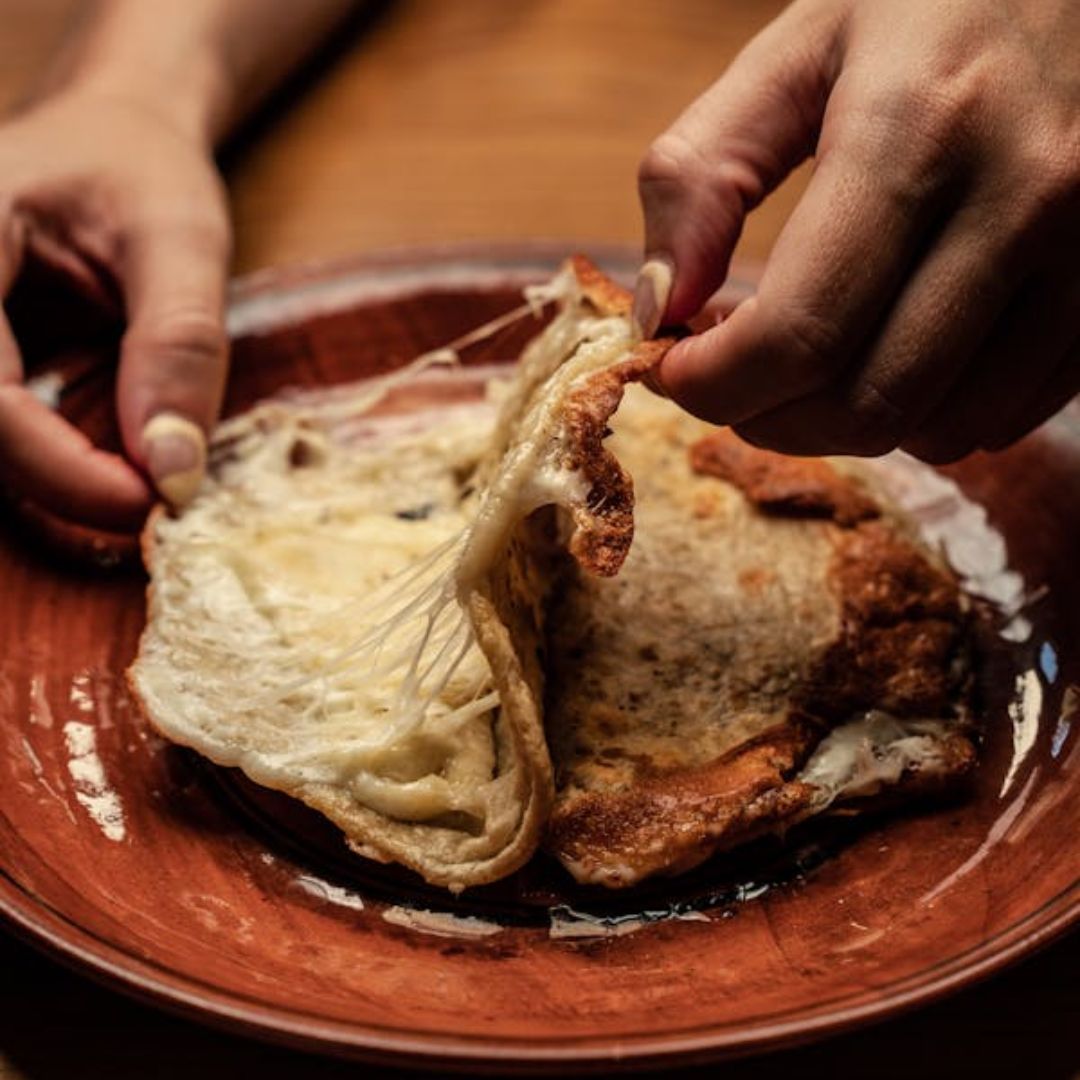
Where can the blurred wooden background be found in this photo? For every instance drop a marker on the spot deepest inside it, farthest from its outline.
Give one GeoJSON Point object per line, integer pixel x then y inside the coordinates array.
{"type": "Point", "coordinates": [438, 121]}
{"type": "Point", "coordinates": [473, 120]}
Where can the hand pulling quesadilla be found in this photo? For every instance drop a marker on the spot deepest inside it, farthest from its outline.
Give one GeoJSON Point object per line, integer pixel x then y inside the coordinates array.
{"type": "Point", "coordinates": [430, 625]}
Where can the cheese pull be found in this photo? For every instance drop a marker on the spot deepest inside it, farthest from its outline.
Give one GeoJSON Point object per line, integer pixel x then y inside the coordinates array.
{"type": "Point", "coordinates": [351, 609]}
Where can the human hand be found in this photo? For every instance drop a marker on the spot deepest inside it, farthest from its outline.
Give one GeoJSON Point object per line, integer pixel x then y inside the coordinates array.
{"type": "Point", "coordinates": [102, 186]}
{"type": "Point", "coordinates": [926, 290]}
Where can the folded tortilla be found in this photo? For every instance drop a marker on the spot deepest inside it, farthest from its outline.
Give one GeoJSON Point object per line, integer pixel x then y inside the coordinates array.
{"type": "Point", "coordinates": [351, 611]}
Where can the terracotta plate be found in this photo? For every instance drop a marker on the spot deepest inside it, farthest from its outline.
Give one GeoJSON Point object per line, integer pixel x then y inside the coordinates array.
{"type": "Point", "coordinates": [186, 886]}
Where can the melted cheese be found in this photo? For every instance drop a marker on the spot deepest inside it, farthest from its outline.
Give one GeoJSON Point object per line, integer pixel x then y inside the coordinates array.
{"type": "Point", "coordinates": [872, 752]}
{"type": "Point", "coordinates": [523, 471]}
{"type": "Point", "coordinates": [281, 573]}
{"type": "Point", "coordinates": [326, 576]}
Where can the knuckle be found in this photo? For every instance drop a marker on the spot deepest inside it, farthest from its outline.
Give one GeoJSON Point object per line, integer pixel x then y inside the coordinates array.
{"type": "Point", "coordinates": [959, 89]}
{"type": "Point", "coordinates": [670, 162]}
{"type": "Point", "coordinates": [911, 138]}
{"type": "Point", "coordinates": [190, 338]}
{"type": "Point", "coordinates": [213, 229]}
{"type": "Point", "coordinates": [811, 335]}
{"type": "Point", "coordinates": [871, 425]}
{"type": "Point", "coordinates": [806, 345]}
{"type": "Point", "coordinates": [194, 226]}
{"type": "Point", "coordinates": [723, 185]}
{"type": "Point", "coordinates": [207, 233]}
{"type": "Point", "coordinates": [693, 207]}
{"type": "Point", "coordinates": [1049, 169]}
{"type": "Point", "coordinates": [942, 115]}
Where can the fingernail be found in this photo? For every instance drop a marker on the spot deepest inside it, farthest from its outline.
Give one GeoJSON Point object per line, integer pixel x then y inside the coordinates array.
{"type": "Point", "coordinates": [651, 292]}
{"type": "Point", "coordinates": [175, 451]}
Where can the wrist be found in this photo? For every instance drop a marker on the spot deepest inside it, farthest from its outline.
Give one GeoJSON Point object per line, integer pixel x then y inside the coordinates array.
{"type": "Point", "coordinates": [124, 56]}
{"type": "Point", "coordinates": [186, 103]}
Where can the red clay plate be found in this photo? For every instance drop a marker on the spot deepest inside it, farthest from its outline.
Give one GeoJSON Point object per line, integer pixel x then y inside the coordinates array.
{"type": "Point", "coordinates": [190, 888]}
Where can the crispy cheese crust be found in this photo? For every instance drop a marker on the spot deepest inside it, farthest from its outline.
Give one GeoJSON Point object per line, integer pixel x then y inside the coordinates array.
{"type": "Point", "coordinates": [779, 483]}
{"type": "Point", "coordinates": [605, 521]}
{"type": "Point", "coordinates": [604, 524]}
{"type": "Point", "coordinates": [605, 295]}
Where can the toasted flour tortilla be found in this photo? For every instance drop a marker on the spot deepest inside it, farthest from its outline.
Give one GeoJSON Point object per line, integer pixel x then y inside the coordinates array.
{"type": "Point", "coordinates": [381, 615]}
{"type": "Point", "coordinates": [351, 610]}
{"type": "Point", "coordinates": [777, 644]}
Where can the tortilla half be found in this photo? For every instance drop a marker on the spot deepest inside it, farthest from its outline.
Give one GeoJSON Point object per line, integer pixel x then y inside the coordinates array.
{"type": "Point", "coordinates": [381, 615]}
{"type": "Point", "coordinates": [351, 611]}
{"type": "Point", "coordinates": [778, 644]}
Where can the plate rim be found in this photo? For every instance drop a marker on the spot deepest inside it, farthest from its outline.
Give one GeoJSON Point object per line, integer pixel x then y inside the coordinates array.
{"type": "Point", "coordinates": [35, 921]}
{"type": "Point", "coordinates": [183, 995]}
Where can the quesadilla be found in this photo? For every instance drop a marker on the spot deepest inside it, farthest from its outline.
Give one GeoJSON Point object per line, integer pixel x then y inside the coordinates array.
{"type": "Point", "coordinates": [438, 624]}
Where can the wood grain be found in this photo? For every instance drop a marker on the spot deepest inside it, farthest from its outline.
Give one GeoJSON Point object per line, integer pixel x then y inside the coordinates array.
{"type": "Point", "coordinates": [473, 120]}
{"type": "Point", "coordinates": [481, 119]}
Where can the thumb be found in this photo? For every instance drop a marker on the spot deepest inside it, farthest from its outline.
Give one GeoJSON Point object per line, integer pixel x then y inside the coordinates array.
{"type": "Point", "coordinates": [174, 356]}
{"type": "Point", "coordinates": [725, 153]}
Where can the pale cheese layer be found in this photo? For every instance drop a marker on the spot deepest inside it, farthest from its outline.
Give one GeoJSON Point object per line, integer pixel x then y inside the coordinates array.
{"type": "Point", "coordinates": [307, 620]}
{"type": "Point", "coordinates": [277, 571]}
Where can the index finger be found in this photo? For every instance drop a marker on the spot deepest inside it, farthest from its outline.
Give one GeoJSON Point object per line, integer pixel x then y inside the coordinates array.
{"type": "Point", "coordinates": [729, 149]}
{"type": "Point", "coordinates": [45, 459]}
{"type": "Point", "coordinates": [837, 266]}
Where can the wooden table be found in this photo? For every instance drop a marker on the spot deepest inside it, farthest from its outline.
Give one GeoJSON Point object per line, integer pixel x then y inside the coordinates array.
{"type": "Point", "coordinates": [482, 120]}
